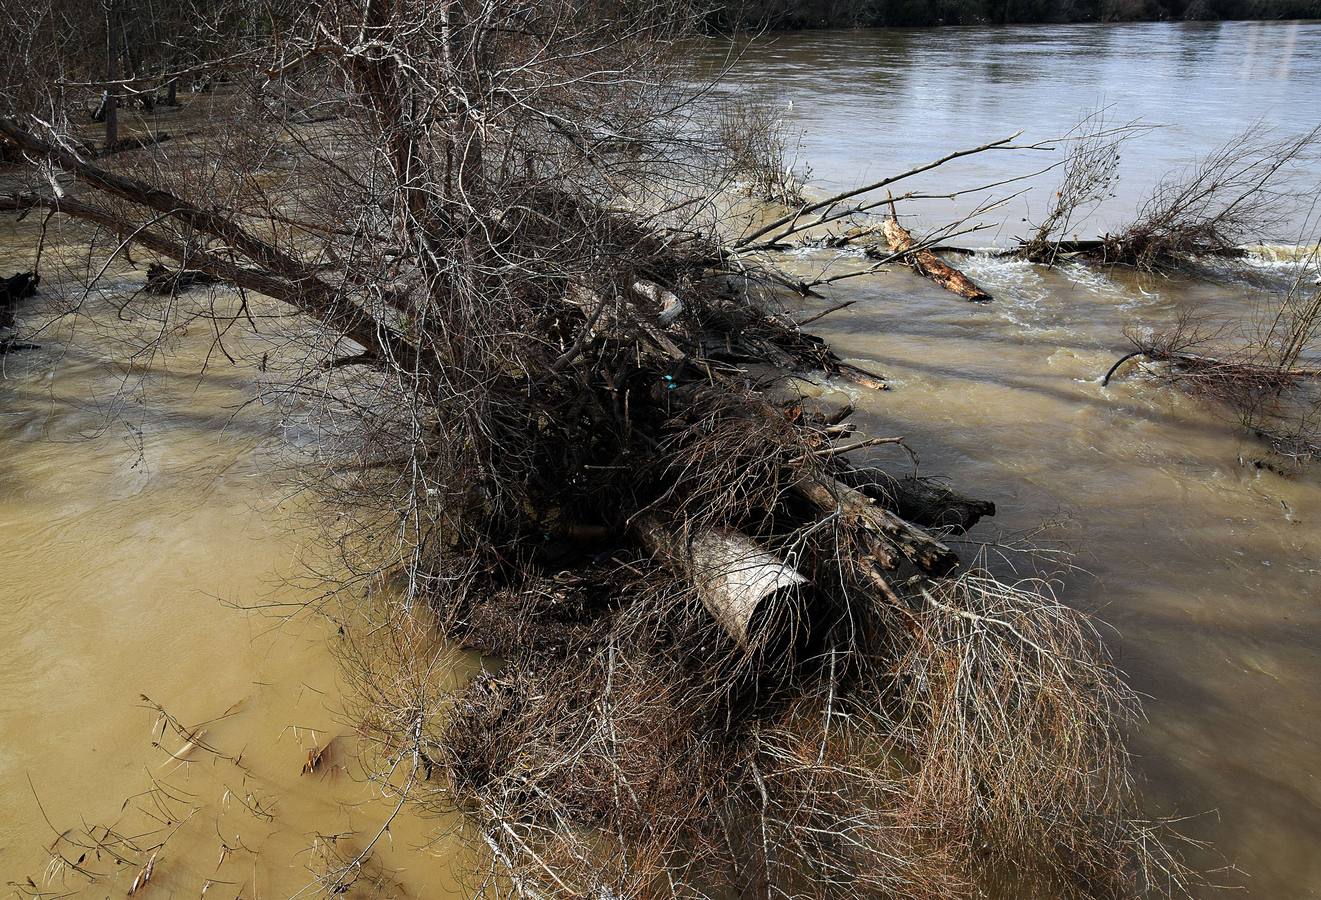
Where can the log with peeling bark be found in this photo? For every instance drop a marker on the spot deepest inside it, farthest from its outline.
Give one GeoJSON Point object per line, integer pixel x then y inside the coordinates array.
{"type": "Point", "coordinates": [736, 579]}
{"type": "Point", "coordinates": [894, 539]}
{"type": "Point", "coordinates": [925, 262]}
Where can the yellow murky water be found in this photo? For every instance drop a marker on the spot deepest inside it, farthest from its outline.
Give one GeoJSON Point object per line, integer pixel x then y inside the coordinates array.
{"type": "Point", "coordinates": [139, 507]}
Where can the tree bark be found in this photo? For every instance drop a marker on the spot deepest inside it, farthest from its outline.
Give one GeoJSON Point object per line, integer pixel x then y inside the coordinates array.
{"type": "Point", "coordinates": [894, 539]}
{"type": "Point", "coordinates": [925, 262]}
{"type": "Point", "coordinates": [735, 578]}
{"type": "Point", "coordinates": [921, 501]}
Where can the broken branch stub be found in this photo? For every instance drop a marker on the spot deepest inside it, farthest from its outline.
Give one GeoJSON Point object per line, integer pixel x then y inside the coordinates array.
{"type": "Point", "coordinates": [925, 262]}
{"type": "Point", "coordinates": [736, 579]}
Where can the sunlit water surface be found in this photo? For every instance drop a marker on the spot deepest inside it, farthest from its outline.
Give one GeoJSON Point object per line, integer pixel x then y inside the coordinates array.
{"type": "Point", "coordinates": [1207, 567]}
{"type": "Point", "coordinates": [866, 104]}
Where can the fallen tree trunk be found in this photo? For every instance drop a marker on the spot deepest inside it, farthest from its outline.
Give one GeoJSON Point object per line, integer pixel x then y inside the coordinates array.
{"type": "Point", "coordinates": [893, 538]}
{"type": "Point", "coordinates": [276, 274]}
{"type": "Point", "coordinates": [124, 145]}
{"type": "Point", "coordinates": [922, 501]}
{"type": "Point", "coordinates": [925, 262]}
{"type": "Point", "coordinates": [1109, 250]}
{"type": "Point", "coordinates": [1195, 365]}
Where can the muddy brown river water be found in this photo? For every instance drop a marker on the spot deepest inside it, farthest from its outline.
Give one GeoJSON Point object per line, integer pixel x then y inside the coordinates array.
{"type": "Point", "coordinates": [1207, 568]}
{"type": "Point", "coordinates": [140, 505]}
{"type": "Point", "coordinates": [131, 520]}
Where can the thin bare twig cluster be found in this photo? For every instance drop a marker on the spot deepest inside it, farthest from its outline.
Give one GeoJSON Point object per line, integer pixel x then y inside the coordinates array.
{"type": "Point", "coordinates": [542, 389]}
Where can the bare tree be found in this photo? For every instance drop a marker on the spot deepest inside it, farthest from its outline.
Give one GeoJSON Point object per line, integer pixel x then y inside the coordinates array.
{"type": "Point", "coordinates": [1263, 372]}
{"type": "Point", "coordinates": [1246, 189]}
{"type": "Point", "coordinates": [549, 432]}
{"type": "Point", "coordinates": [1091, 172]}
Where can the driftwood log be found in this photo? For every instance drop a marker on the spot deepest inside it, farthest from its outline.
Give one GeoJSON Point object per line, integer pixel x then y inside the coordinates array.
{"type": "Point", "coordinates": [922, 501]}
{"type": "Point", "coordinates": [925, 262]}
{"type": "Point", "coordinates": [164, 280]}
{"type": "Point", "coordinates": [893, 539]}
{"type": "Point", "coordinates": [1104, 251]}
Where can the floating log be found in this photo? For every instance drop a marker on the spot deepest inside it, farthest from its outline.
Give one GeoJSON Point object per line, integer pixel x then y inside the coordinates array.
{"type": "Point", "coordinates": [925, 262]}
{"type": "Point", "coordinates": [809, 401]}
{"type": "Point", "coordinates": [1107, 250]}
{"type": "Point", "coordinates": [164, 280]}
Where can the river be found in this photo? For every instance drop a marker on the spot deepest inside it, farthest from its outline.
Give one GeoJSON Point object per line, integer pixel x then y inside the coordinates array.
{"type": "Point", "coordinates": [141, 505]}
{"type": "Point", "coordinates": [1207, 568]}
{"type": "Point", "coordinates": [870, 103]}
{"type": "Point", "coordinates": [121, 535]}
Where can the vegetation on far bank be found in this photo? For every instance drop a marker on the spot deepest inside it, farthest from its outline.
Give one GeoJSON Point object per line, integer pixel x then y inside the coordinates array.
{"type": "Point", "coordinates": [798, 14]}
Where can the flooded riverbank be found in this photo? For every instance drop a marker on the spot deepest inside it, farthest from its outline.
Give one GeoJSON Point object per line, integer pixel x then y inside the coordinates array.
{"type": "Point", "coordinates": [145, 511]}
{"type": "Point", "coordinates": [1207, 566]}
{"type": "Point", "coordinates": [1204, 565]}
{"type": "Point", "coordinates": [133, 519]}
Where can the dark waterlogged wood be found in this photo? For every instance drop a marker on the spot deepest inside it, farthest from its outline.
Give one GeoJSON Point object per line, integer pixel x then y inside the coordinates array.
{"type": "Point", "coordinates": [13, 290]}
{"type": "Point", "coordinates": [922, 501]}
{"type": "Point", "coordinates": [16, 287]}
{"type": "Point", "coordinates": [1198, 365]}
{"type": "Point", "coordinates": [164, 280]}
{"type": "Point", "coordinates": [894, 538]}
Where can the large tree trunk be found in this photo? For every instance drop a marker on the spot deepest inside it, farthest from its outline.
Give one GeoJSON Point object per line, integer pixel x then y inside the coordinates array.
{"type": "Point", "coordinates": [737, 581]}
